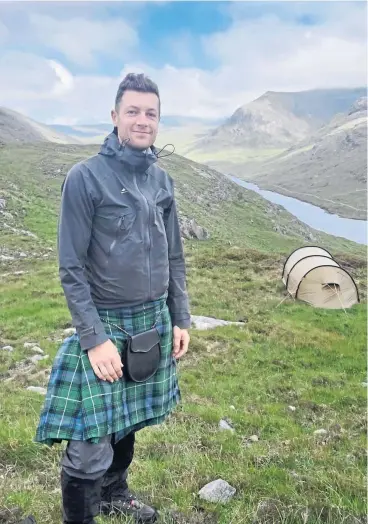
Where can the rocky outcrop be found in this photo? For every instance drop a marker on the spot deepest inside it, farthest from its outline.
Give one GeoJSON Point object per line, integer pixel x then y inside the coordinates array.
{"type": "Point", "coordinates": [190, 229]}
{"type": "Point", "coordinates": [359, 105]}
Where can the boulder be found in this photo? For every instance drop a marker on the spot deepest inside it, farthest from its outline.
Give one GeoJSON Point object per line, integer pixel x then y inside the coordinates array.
{"type": "Point", "coordinates": [217, 491]}
{"type": "Point", "coordinates": [200, 322]}
{"type": "Point", "coordinates": [8, 348]}
{"type": "Point", "coordinates": [190, 229]}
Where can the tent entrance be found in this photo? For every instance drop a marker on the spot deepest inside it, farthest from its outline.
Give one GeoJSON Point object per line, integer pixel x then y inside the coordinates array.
{"type": "Point", "coordinates": [332, 285]}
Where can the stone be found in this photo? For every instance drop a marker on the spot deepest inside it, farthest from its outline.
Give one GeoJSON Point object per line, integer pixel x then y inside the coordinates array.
{"type": "Point", "coordinates": [8, 348]}
{"type": "Point", "coordinates": [321, 432]}
{"type": "Point", "coordinates": [37, 389]}
{"type": "Point", "coordinates": [69, 331]}
{"type": "Point", "coordinates": [225, 425]}
{"type": "Point", "coordinates": [29, 344]}
{"type": "Point", "coordinates": [2, 203]}
{"type": "Point", "coordinates": [292, 408]}
{"type": "Point", "coordinates": [7, 215]}
{"type": "Point", "coordinates": [232, 407]}
{"type": "Point", "coordinates": [217, 491]}
{"type": "Point", "coordinates": [204, 323]}
{"type": "Point", "coordinates": [253, 438]}
{"type": "Point", "coordinates": [37, 358]}
{"type": "Point", "coordinates": [364, 384]}
{"type": "Point", "coordinates": [36, 349]}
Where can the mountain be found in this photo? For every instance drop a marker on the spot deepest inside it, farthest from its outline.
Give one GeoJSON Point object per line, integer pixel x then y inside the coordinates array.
{"type": "Point", "coordinates": [328, 169]}
{"type": "Point", "coordinates": [270, 124]}
{"type": "Point", "coordinates": [15, 127]}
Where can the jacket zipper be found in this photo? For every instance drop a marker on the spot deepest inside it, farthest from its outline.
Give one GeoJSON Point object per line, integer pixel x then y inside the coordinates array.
{"type": "Point", "coordinates": [113, 244]}
{"type": "Point", "coordinates": [149, 236]}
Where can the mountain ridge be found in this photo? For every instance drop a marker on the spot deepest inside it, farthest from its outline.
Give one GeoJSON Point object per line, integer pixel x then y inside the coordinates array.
{"type": "Point", "coordinates": [16, 127]}
{"type": "Point", "coordinates": [277, 119]}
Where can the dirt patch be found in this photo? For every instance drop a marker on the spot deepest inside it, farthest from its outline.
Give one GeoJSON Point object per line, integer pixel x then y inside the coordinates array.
{"type": "Point", "coordinates": [350, 262]}
{"type": "Point", "coordinates": [327, 382]}
{"type": "Point", "coordinates": [14, 515]}
{"type": "Point", "coordinates": [201, 517]}
{"type": "Point", "coordinates": [25, 373]}
{"type": "Point", "coordinates": [276, 512]}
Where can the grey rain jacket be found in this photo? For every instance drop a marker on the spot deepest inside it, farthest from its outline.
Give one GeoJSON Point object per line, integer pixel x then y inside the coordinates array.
{"type": "Point", "coordinates": [119, 240]}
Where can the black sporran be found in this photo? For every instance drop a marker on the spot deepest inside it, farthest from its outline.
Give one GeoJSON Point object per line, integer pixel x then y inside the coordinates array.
{"type": "Point", "coordinates": [142, 356]}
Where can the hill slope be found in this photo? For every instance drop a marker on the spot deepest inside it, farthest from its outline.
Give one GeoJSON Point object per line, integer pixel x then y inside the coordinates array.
{"type": "Point", "coordinates": [328, 169]}
{"type": "Point", "coordinates": [15, 127]}
{"type": "Point", "coordinates": [287, 372]}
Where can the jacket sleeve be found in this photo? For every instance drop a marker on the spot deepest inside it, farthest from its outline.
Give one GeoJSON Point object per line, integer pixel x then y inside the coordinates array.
{"type": "Point", "coordinates": [74, 231]}
{"type": "Point", "coordinates": [177, 299]}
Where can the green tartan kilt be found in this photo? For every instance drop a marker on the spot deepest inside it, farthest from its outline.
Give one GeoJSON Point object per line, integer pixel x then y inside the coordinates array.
{"type": "Point", "coordinates": [80, 406]}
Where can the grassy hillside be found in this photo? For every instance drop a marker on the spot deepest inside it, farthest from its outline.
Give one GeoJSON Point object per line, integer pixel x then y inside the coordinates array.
{"type": "Point", "coordinates": [286, 355]}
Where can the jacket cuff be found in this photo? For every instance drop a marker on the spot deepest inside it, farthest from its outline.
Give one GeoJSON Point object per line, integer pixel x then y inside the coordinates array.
{"type": "Point", "coordinates": [182, 323]}
{"type": "Point", "coordinates": [92, 337]}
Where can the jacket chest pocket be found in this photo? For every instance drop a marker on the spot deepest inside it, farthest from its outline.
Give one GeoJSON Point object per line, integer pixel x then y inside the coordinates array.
{"type": "Point", "coordinates": [121, 228]}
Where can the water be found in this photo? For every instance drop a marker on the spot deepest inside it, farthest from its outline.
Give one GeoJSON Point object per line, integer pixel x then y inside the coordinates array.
{"type": "Point", "coordinates": [314, 216]}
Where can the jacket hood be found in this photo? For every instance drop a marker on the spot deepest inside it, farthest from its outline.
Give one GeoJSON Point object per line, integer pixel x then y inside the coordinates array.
{"type": "Point", "coordinates": [125, 154]}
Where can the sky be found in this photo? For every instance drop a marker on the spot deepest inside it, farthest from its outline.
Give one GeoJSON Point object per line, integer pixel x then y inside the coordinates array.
{"type": "Point", "coordinates": [61, 62]}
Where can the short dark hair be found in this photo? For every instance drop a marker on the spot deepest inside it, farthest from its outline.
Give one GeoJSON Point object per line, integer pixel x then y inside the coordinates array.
{"type": "Point", "coordinates": [136, 82]}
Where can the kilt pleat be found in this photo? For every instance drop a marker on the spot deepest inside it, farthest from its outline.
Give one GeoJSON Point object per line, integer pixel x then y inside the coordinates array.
{"type": "Point", "coordinates": [80, 406]}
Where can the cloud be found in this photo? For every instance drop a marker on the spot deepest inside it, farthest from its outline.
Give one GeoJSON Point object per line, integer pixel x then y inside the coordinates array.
{"type": "Point", "coordinates": [78, 39]}
{"type": "Point", "coordinates": [4, 33]}
{"type": "Point", "coordinates": [272, 54]}
{"type": "Point", "coordinates": [65, 79]}
{"type": "Point", "coordinates": [265, 51]}
{"type": "Point", "coordinates": [25, 77]}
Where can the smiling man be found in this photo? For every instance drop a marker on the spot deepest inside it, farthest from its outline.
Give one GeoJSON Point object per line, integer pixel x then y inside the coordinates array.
{"type": "Point", "coordinates": [123, 273]}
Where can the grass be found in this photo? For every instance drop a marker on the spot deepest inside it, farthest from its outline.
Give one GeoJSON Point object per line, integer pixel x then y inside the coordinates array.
{"type": "Point", "coordinates": [285, 354]}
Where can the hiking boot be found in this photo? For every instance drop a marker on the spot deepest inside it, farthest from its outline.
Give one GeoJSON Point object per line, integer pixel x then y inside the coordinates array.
{"type": "Point", "coordinates": [29, 520]}
{"type": "Point", "coordinates": [125, 503]}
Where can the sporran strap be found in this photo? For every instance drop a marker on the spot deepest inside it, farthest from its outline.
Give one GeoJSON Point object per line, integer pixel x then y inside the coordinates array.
{"type": "Point", "coordinates": [123, 330]}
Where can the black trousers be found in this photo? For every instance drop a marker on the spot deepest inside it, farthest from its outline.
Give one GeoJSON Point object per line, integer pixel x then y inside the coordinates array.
{"type": "Point", "coordinates": [91, 473]}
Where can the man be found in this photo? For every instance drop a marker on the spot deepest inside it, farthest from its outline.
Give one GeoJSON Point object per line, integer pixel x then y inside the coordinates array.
{"type": "Point", "coordinates": [123, 273]}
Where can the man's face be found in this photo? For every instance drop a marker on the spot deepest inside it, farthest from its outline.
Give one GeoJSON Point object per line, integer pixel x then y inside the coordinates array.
{"type": "Point", "coordinates": [137, 118]}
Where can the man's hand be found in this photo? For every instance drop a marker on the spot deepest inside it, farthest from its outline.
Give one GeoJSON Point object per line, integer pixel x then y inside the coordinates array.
{"type": "Point", "coordinates": [180, 342]}
{"type": "Point", "coordinates": [106, 362]}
